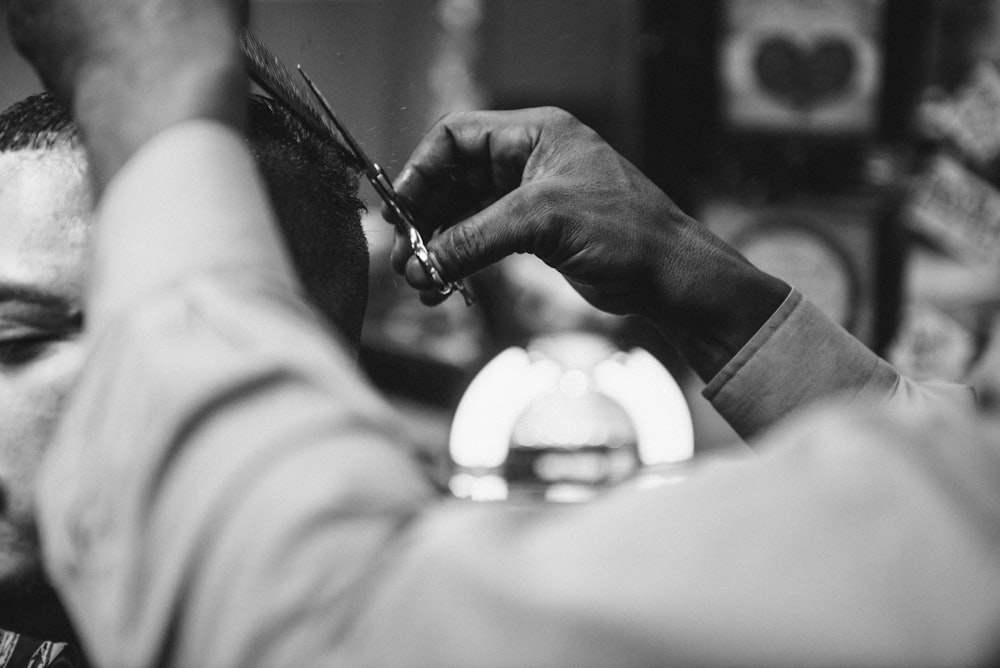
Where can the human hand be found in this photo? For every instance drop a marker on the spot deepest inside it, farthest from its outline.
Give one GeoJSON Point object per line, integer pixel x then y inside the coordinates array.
{"type": "Point", "coordinates": [130, 68]}
{"type": "Point", "coordinates": [535, 181]}
{"type": "Point", "coordinates": [539, 181]}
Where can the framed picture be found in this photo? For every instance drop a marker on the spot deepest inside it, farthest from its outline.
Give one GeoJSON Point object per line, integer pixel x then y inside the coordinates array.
{"type": "Point", "coordinates": [801, 66]}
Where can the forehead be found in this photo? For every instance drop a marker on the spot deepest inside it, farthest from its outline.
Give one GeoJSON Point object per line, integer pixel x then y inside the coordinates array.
{"type": "Point", "coordinates": [45, 210]}
{"type": "Point", "coordinates": [44, 190]}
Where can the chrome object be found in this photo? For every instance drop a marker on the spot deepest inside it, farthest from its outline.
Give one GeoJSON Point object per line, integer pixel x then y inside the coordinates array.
{"type": "Point", "coordinates": [383, 186]}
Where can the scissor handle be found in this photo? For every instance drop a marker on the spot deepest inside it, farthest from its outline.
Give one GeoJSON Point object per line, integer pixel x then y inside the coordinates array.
{"type": "Point", "coordinates": [380, 181]}
{"type": "Point", "coordinates": [417, 246]}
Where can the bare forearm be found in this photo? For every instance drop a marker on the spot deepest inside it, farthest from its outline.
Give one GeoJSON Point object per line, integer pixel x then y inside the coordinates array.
{"type": "Point", "coordinates": [116, 123]}
{"type": "Point", "coordinates": [130, 71]}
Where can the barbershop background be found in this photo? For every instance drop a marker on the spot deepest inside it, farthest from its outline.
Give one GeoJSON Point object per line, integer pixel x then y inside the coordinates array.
{"type": "Point", "coordinates": [848, 146]}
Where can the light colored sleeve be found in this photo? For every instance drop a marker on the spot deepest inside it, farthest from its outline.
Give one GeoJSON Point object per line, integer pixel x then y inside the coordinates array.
{"type": "Point", "coordinates": [190, 200]}
{"type": "Point", "coordinates": [226, 490]}
{"type": "Point", "coordinates": [800, 357]}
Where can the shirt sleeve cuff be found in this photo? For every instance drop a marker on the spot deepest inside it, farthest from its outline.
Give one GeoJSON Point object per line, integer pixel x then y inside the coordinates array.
{"type": "Point", "coordinates": [798, 357]}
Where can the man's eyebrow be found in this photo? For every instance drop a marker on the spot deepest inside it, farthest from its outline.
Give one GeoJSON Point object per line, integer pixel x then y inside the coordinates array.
{"type": "Point", "coordinates": [30, 294]}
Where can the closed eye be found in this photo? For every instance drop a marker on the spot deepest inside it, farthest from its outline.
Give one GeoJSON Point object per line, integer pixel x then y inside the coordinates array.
{"type": "Point", "coordinates": [21, 350]}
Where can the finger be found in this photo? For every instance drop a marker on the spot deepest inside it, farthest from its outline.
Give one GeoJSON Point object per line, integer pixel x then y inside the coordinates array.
{"type": "Point", "coordinates": [514, 224]}
{"type": "Point", "coordinates": [467, 159]}
{"type": "Point", "coordinates": [401, 252]}
{"type": "Point", "coordinates": [413, 186]}
{"type": "Point", "coordinates": [388, 214]}
{"type": "Point", "coordinates": [417, 276]}
{"type": "Point", "coordinates": [448, 199]}
{"type": "Point", "coordinates": [432, 297]}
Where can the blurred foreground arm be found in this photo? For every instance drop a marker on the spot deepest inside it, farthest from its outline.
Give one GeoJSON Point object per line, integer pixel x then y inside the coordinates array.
{"type": "Point", "coordinates": [538, 181]}
{"type": "Point", "coordinates": [129, 70]}
{"type": "Point", "coordinates": [215, 415]}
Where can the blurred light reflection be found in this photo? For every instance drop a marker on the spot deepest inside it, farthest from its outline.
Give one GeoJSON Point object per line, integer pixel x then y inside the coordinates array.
{"type": "Point", "coordinates": [565, 418]}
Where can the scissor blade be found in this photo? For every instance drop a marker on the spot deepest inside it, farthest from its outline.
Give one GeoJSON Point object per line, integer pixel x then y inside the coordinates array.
{"type": "Point", "coordinates": [383, 186]}
{"type": "Point", "coordinates": [371, 171]}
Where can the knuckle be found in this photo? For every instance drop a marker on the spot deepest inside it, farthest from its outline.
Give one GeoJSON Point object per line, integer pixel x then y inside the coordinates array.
{"type": "Point", "coordinates": [563, 121]}
{"type": "Point", "coordinates": [546, 216]}
{"type": "Point", "coordinates": [567, 131]}
{"type": "Point", "coordinates": [466, 245]}
{"type": "Point", "coordinates": [454, 121]}
{"type": "Point", "coordinates": [445, 119]}
{"type": "Point", "coordinates": [558, 115]}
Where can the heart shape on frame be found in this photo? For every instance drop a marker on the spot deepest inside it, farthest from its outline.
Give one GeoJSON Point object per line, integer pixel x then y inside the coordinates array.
{"type": "Point", "coordinates": [803, 75]}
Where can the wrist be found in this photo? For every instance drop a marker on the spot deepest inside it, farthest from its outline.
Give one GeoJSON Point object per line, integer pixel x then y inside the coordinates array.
{"type": "Point", "coordinates": [123, 104]}
{"type": "Point", "coordinates": [710, 299]}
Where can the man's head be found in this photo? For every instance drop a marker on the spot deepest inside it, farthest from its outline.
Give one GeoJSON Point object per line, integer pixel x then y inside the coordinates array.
{"type": "Point", "coordinates": [45, 214]}
{"type": "Point", "coordinates": [314, 193]}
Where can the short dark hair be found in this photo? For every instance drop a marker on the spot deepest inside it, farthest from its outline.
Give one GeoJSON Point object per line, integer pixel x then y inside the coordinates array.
{"type": "Point", "coordinates": [313, 184]}
{"type": "Point", "coordinates": [311, 179]}
{"type": "Point", "coordinates": [35, 123]}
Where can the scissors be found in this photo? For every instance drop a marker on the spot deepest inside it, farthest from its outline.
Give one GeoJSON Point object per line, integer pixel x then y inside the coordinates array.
{"type": "Point", "coordinates": [383, 186]}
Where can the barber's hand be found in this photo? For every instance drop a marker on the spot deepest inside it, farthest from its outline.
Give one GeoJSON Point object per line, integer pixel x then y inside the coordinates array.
{"type": "Point", "coordinates": [130, 68]}
{"type": "Point", "coordinates": [535, 181]}
{"type": "Point", "coordinates": [539, 181]}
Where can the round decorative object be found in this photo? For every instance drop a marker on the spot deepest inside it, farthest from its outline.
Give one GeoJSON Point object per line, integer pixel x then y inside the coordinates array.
{"type": "Point", "coordinates": [807, 259]}
{"type": "Point", "coordinates": [565, 418]}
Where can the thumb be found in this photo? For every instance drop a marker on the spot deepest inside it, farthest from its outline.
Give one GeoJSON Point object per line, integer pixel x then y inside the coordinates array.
{"type": "Point", "coordinates": [510, 225]}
